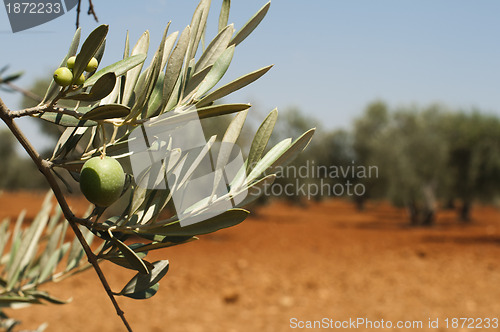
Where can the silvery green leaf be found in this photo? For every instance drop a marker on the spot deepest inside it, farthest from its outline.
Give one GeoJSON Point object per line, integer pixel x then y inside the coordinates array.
{"type": "Point", "coordinates": [174, 66]}
{"type": "Point", "coordinates": [103, 87]}
{"type": "Point", "coordinates": [46, 297]}
{"type": "Point", "coordinates": [68, 120]}
{"type": "Point", "coordinates": [224, 14]}
{"type": "Point", "coordinates": [250, 25]}
{"type": "Point", "coordinates": [144, 294]}
{"type": "Point", "coordinates": [141, 47]}
{"type": "Point", "coordinates": [291, 153]}
{"type": "Point", "coordinates": [270, 157]}
{"type": "Point", "coordinates": [135, 261]}
{"type": "Point", "coordinates": [120, 259]}
{"type": "Point", "coordinates": [126, 50]}
{"type": "Point", "coordinates": [221, 109]}
{"type": "Point", "coordinates": [216, 47]}
{"type": "Point", "coordinates": [156, 98]}
{"type": "Point", "coordinates": [142, 282]}
{"type": "Point", "coordinates": [49, 267]}
{"type": "Point", "coordinates": [196, 80]}
{"type": "Point", "coordinates": [88, 50]}
{"type": "Point", "coordinates": [76, 252]}
{"type": "Point", "coordinates": [261, 139]}
{"type": "Point", "coordinates": [198, 23]}
{"type": "Point", "coordinates": [232, 86]}
{"type": "Point", "coordinates": [226, 219]}
{"type": "Point", "coordinates": [216, 73]}
{"type": "Point", "coordinates": [109, 111]}
{"type": "Point", "coordinates": [145, 88]}
{"type": "Point", "coordinates": [199, 158]}
{"type": "Point", "coordinates": [165, 244]}
{"type": "Point", "coordinates": [169, 45]}
{"type": "Point", "coordinates": [164, 48]}
{"type": "Point", "coordinates": [52, 244]}
{"type": "Point", "coordinates": [255, 190]}
{"type": "Point", "coordinates": [16, 239]}
{"type": "Point", "coordinates": [228, 141]}
{"type": "Point", "coordinates": [4, 235]}
{"type": "Point", "coordinates": [11, 77]}
{"type": "Point", "coordinates": [29, 244]}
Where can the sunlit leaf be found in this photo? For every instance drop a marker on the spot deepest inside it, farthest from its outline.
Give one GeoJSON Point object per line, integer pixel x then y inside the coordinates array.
{"type": "Point", "coordinates": [216, 73]}
{"type": "Point", "coordinates": [232, 86]}
{"type": "Point", "coordinates": [174, 66]}
{"type": "Point", "coordinates": [250, 25]}
{"type": "Point", "coordinates": [224, 14]}
{"type": "Point", "coordinates": [261, 139]}
{"type": "Point", "coordinates": [141, 47]}
{"type": "Point", "coordinates": [226, 219]}
{"type": "Point", "coordinates": [216, 47]}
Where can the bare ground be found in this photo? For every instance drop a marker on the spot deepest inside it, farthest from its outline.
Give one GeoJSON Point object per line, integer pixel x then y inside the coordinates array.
{"type": "Point", "coordinates": [324, 261]}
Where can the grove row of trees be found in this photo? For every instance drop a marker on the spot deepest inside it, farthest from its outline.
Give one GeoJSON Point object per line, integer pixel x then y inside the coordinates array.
{"type": "Point", "coordinates": [419, 158]}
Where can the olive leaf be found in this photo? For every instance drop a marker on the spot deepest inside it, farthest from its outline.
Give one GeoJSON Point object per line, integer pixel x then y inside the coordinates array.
{"type": "Point", "coordinates": [261, 139]}
{"type": "Point", "coordinates": [250, 25]}
{"type": "Point", "coordinates": [132, 258]}
{"type": "Point", "coordinates": [218, 70]}
{"type": "Point", "coordinates": [108, 111]}
{"type": "Point", "coordinates": [139, 287]}
{"type": "Point", "coordinates": [232, 86]}
{"type": "Point", "coordinates": [88, 50]}
{"type": "Point", "coordinates": [101, 88]}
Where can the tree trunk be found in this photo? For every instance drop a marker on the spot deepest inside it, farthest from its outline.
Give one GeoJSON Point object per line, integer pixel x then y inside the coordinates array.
{"type": "Point", "coordinates": [413, 213]}
{"type": "Point", "coordinates": [464, 211]}
{"type": "Point", "coordinates": [360, 203]}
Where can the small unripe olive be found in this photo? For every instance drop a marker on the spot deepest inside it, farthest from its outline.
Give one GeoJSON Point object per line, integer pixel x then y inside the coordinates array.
{"type": "Point", "coordinates": [80, 80]}
{"type": "Point", "coordinates": [71, 62]}
{"type": "Point", "coordinates": [92, 65]}
{"type": "Point", "coordinates": [102, 180]}
{"type": "Point", "coordinates": [63, 76]}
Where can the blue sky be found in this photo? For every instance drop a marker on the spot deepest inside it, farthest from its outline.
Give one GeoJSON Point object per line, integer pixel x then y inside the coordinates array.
{"type": "Point", "coordinates": [331, 57]}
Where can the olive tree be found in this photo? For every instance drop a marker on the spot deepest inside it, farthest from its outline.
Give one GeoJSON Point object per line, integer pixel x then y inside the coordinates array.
{"type": "Point", "coordinates": [412, 155]}
{"type": "Point", "coordinates": [127, 111]}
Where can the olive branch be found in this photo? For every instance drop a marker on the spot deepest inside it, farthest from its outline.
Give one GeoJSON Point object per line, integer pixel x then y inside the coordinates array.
{"type": "Point", "coordinates": [112, 103]}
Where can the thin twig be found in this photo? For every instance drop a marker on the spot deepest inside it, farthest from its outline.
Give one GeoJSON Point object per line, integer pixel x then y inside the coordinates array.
{"type": "Point", "coordinates": [45, 167]}
{"type": "Point", "coordinates": [25, 92]}
{"type": "Point", "coordinates": [78, 14]}
{"type": "Point", "coordinates": [91, 11]}
{"type": "Point", "coordinates": [42, 109]}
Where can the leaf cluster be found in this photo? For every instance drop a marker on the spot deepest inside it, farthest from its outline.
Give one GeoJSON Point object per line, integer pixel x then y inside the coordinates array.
{"type": "Point", "coordinates": [116, 103]}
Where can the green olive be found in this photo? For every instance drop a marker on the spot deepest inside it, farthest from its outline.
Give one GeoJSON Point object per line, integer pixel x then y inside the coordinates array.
{"type": "Point", "coordinates": [92, 65]}
{"type": "Point", "coordinates": [63, 76]}
{"type": "Point", "coordinates": [71, 62]}
{"type": "Point", "coordinates": [102, 180]}
{"type": "Point", "coordinates": [80, 80]}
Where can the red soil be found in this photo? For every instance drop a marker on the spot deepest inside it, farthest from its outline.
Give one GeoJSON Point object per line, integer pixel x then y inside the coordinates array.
{"type": "Point", "coordinates": [324, 261]}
